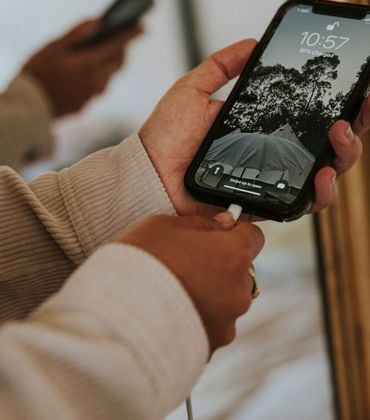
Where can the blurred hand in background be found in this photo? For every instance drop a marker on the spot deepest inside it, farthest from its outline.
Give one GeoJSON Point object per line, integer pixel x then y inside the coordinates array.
{"type": "Point", "coordinates": [71, 76]}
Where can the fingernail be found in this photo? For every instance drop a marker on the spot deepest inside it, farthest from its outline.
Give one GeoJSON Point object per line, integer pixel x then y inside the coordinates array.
{"type": "Point", "coordinates": [350, 134]}
{"type": "Point", "coordinates": [225, 218]}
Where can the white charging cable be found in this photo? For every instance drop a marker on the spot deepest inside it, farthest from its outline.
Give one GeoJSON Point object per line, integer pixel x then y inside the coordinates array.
{"type": "Point", "coordinates": [236, 212]}
{"type": "Point", "coordinates": [189, 409]}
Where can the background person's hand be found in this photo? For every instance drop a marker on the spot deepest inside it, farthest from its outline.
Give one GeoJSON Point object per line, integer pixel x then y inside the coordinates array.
{"type": "Point", "coordinates": [71, 76]}
{"type": "Point", "coordinates": [210, 258]}
{"type": "Point", "coordinates": [180, 122]}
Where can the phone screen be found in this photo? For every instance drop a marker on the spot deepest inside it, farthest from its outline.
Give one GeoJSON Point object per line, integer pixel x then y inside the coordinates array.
{"type": "Point", "coordinates": [269, 141]}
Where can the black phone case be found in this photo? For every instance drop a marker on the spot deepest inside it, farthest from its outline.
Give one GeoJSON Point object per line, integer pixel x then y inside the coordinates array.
{"type": "Point", "coordinates": [303, 202]}
{"type": "Point", "coordinates": [106, 31]}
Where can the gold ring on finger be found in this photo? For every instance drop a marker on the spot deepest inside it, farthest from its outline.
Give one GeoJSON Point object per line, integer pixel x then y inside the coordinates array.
{"type": "Point", "coordinates": [255, 290]}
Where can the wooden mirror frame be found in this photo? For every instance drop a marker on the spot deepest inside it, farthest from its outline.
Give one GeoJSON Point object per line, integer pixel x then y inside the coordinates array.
{"type": "Point", "coordinates": [344, 242]}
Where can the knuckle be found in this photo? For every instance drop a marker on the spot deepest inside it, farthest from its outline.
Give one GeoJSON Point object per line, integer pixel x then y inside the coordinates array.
{"type": "Point", "coordinates": [245, 256]}
{"type": "Point", "coordinates": [227, 336]}
{"type": "Point", "coordinates": [251, 233]}
{"type": "Point", "coordinates": [230, 335]}
{"type": "Point", "coordinates": [259, 235]}
{"type": "Point", "coordinates": [244, 302]}
{"type": "Point", "coordinates": [237, 260]}
{"type": "Point", "coordinates": [348, 155]}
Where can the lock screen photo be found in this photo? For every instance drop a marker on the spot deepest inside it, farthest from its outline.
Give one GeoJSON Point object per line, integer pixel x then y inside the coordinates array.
{"type": "Point", "coordinates": [268, 143]}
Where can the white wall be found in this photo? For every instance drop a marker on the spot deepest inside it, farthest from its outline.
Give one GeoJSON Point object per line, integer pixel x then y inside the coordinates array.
{"type": "Point", "coordinates": [222, 23]}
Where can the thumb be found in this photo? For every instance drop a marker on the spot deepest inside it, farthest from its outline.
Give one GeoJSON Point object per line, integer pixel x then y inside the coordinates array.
{"type": "Point", "coordinates": [219, 68]}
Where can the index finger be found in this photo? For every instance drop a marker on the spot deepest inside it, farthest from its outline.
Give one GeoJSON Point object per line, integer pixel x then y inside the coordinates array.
{"type": "Point", "coordinates": [253, 237]}
{"type": "Point", "coordinates": [220, 67]}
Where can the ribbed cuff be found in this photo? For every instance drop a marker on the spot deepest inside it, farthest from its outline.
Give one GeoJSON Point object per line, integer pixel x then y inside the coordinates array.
{"type": "Point", "coordinates": [35, 93]}
{"type": "Point", "coordinates": [142, 302]}
{"type": "Point", "coordinates": [26, 120]}
{"type": "Point", "coordinates": [111, 190]}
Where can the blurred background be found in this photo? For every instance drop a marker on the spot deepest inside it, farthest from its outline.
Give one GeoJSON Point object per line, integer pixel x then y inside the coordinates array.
{"type": "Point", "coordinates": [278, 367]}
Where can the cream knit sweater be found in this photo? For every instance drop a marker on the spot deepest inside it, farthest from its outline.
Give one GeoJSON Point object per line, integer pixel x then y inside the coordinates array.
{"type": "Point", "coordinates": [118, 338]}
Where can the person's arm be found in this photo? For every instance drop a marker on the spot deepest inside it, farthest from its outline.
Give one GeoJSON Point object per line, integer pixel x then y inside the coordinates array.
{"type": "Point", "coordinates": [61, 218]}
{"type": "Point", "coordinates": [121, 340]}
{"type": "Point", "coordinates": [53, 224]}
{"type": "Point", "coordinates": [132, 329]}
{"type": "Point", "coordinates": [25, 117]}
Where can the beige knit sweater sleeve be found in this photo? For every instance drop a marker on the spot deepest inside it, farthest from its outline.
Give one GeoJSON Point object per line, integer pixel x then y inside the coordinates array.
{"type": "Point", "coordinates": [51, 225]}
{"type": "Point", "coordinates": [25, 119]}
{"type": "Point", "coordinates": [121, 338]}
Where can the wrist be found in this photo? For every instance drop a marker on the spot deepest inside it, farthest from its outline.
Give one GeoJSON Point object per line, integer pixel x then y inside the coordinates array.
{"type": "Point", "coordinates": [159, 170]}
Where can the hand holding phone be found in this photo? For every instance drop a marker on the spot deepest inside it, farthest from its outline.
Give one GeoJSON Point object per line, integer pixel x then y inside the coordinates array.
{"type": "Point", "coordinates": [121, 15]}
{"type": "Point", "coordinates": [271, 137]}
{"type": "Point", "coordinates": [181, 120]}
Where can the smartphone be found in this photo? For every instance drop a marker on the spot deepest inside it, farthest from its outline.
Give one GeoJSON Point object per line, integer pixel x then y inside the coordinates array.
{"type": "Point", "coordinates": [121, 15]}
{"type": "Point", "coordinates": [311, 68]}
